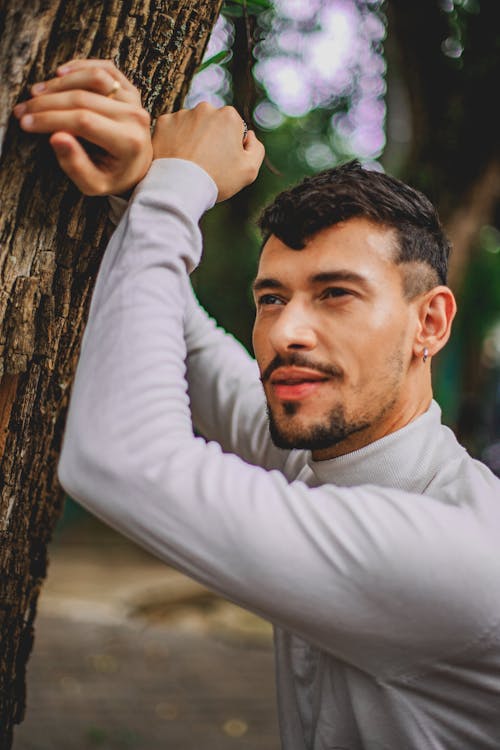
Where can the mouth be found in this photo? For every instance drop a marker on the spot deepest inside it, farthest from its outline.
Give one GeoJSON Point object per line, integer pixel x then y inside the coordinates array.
{"type": "Point", "coordinates": [296, 383]}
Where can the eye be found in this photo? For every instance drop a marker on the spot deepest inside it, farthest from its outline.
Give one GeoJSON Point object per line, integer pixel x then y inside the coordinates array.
{"type": "Point", "coordinates": [335, 291]}
{"type": "Point", "coordinates": [269, 299]}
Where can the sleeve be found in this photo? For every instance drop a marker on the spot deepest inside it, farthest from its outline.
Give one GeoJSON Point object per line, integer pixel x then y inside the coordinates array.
{"type": "Point", "coordinates": [226, 397]}
{"type": "Point", "coordinates": [371, 575]}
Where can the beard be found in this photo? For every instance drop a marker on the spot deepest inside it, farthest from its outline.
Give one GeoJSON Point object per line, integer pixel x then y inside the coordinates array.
{"type": "Point", "coordinates": [334, 429]}
{"type": "Point", "coordinates": [336, 425]}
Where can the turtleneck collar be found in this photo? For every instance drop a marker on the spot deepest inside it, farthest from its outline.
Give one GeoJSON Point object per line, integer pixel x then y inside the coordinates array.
{"type": "Point", "coordinates": [406, 459]}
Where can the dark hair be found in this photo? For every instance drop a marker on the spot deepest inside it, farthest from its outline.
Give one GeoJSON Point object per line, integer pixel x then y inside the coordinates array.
{"type": "Point", "coordinates": [348, 191]}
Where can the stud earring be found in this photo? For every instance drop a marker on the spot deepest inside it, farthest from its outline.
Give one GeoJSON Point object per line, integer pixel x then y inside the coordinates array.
{"type": "Point", "coordinates": [425, 355]}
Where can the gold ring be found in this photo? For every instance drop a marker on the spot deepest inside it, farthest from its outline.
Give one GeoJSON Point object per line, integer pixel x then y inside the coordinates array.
{"type": "Point", "coordinates": [114, 89]}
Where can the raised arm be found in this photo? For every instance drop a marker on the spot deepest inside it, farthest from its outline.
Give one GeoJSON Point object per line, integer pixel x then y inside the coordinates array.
{"type": "Point", "coordinates": [336, 565]}
{"type": "Point", "coordinates": [226, 397]}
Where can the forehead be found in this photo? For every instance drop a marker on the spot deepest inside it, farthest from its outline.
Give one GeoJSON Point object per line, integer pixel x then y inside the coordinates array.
{"type": "Point", "coordinates": [356, 245]}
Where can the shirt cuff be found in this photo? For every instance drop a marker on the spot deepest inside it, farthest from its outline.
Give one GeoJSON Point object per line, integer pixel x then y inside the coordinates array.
{"type": "Point", "coordinates": [191, 183]}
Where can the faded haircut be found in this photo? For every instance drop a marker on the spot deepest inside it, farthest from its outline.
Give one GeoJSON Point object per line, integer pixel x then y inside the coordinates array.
{"type": "Point", "coordinates": [349, 191]}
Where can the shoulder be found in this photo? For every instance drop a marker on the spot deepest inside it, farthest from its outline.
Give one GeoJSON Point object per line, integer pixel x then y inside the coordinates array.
{"type": "Point", "coordinates": [459, 479]}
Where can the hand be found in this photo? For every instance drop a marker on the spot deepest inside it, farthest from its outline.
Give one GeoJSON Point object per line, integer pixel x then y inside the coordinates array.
{"type": "Point", "coordinates": [213, 139]}
{"type": "Point", "coordinates": [92, 100]}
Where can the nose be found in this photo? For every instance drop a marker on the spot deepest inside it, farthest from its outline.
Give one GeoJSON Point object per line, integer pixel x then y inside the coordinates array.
{"type": "Point", "coordinates": [293, 329]}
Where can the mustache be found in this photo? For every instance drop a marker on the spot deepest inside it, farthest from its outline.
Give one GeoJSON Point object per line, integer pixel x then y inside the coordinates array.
{"type": "Point", "coordinates": [295, 359]}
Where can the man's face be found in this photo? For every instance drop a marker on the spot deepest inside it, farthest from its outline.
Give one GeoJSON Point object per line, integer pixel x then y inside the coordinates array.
{"type": "Point", "coordinates": [333, 338]}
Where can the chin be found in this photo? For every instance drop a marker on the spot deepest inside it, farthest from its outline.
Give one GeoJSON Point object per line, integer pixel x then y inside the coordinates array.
{"type": "Point", "coordinates": [291, 432]}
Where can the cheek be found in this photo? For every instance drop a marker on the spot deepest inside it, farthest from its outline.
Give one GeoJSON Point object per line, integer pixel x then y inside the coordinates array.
{"type": "Point", "coordinates": [258, 343]}
{"type": "Point", "coordinates": [386, 324]}
{"type": "Point", "coordinates": [364, 348]}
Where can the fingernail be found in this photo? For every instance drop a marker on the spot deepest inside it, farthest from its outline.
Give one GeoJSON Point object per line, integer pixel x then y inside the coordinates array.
{"type": "Point", "coordinates": [63, 70]}
{"type": "Point", "coordinates": [19, 110]}
{"type": "Point", "coordinates": [27, 121]}
{"type": "Point", "coordinates": [38, 88]}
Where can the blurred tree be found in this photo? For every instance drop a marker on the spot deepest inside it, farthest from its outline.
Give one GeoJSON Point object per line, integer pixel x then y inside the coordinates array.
{"type": "Point", "coordinates": [233, 271]}
{"type": "Point", "coordinates": [448, 55]}
{"type": "Point", "coordinates": [52, 240]}
{"type": "Point", "coordinates": [443, 69]}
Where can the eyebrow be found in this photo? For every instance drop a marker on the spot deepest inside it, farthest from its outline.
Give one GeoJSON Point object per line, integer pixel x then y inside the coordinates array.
{"type": "Point", "coordinates": [325, 277]}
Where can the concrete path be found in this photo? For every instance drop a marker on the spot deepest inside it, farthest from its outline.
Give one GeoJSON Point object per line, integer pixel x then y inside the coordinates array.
{"type": "Point", "coordinates": [131, 655]}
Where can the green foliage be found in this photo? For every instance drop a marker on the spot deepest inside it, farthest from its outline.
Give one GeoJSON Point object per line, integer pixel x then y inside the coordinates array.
{"type": "Point", "coordinates": [238, 8]}
{"type": "Point", "coordinates": [480, 294]}
{"type": "Point", "coordinates": [462, 371]}
{"type": "Point", "coordinates": [219, 59]}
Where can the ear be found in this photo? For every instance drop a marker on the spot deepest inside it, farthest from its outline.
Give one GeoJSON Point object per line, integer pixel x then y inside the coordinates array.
{"type": "Point", "coordinates": [436, 310]}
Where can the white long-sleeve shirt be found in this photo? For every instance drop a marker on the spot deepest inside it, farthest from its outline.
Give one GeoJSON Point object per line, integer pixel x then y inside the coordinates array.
{"type": "Point", "coordinates": [380, 569]}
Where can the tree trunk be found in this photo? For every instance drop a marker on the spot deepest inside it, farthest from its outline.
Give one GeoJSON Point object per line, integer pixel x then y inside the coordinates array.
{"type": "Point", "coordinates": [51, 241]}
{"type": "Point", "coordinates": [454, 149]}
{"type": "Point", "coordinates": [444, 118]}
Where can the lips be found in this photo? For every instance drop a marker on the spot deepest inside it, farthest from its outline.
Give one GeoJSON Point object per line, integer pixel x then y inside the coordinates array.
{"type": "Point", "coordinates": [296, 383]}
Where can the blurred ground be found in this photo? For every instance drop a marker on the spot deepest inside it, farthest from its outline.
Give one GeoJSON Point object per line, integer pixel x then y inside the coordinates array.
{"type": "Point", "coordinates": [130, 654]}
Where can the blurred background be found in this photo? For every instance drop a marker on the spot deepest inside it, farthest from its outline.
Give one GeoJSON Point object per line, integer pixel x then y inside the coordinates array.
{"type": "Point", "coordinates": [128, 653]}
{"type": "Point", "coordinates": [405, 87]}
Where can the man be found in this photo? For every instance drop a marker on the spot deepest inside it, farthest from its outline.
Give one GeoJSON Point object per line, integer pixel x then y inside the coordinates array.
{"type": "Point", "coordinates": [365, 533]}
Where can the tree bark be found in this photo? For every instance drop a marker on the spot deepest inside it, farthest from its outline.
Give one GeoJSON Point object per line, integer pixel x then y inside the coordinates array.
{"type": "Point", "coordinates": [51, 242]}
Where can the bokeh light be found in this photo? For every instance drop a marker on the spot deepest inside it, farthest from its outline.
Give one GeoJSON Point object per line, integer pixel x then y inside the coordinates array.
{"type": "Point", "coordinates": [317, 54]}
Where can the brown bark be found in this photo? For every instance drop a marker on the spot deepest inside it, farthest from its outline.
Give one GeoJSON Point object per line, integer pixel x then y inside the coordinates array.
{"type": "Point", "coordinates": [51, 241]}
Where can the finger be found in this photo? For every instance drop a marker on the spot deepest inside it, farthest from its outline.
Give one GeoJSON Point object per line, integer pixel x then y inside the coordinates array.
{"type": "Point", "coordinates": [93, 127]}
{"type": "Point", "coordinates": [106, 65]}
{"type": "Point", "coordinates": [75, 162]}
{"type": "Point", "coordinates": [93, 79]}
{"type": "Point", "coordinates": [254, 154]}
{"type": "Point", "coordinates": [71, 100]}
{"type": "Point", "coordinates": [253, 147]}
